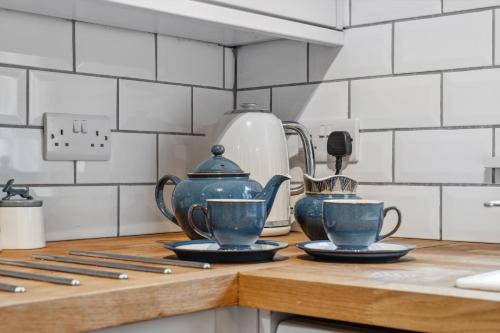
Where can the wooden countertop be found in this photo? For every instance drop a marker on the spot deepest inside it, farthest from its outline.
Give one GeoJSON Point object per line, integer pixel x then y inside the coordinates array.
{"type": "Point", "coordinates": [415, 293]}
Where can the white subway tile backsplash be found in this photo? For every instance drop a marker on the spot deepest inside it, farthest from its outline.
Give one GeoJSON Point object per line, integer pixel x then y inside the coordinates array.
{"type": "Point", "coordinates": [453, 41]}
{"type": "Point", "coordinates": [35, 40]}
{"type": "Point", "coordinates": [188, 61]}
{"type": "Point", "coordinates": [464, 216]}
{"type": "Point", "coordinates": [326, 101]}
{"type": "Point", "coordinates": [208, 106]}
{"type": "Point", "coordinates": [375, 161]}
{"type": "Point", "coordinates": [72, 212]}
{"type": "Point", "coordinates": [497, 37]}
{"type": "Point", "coordinates": [260, 96]}
{"type": "Point", "coordinates": [471, 97]}
{"type": "Point", "coordinates": [352, 60]}
{"type": "Point", "coordinates": [21, 159]}
{"type": "Point", "coordinates": [139, 213]}
{"type": "Point", "coordinates": [442, 156]}
{"type": "Point", "coordinates": [67, 93]}
{"type": "Point", "coordinates": [154, 107]}
{"type": "Point", "coordinates": [180, 154]}
{"type": "Point", "coordinates": [419, 206]}
{"type": "Point", "coordinates": [113, 51]}
{"type": "Point", "coordinates": [270, 63]}
{"type": "Point", "coordinates": [133, 160]}
{"type": "Point", "coordinates": [229, 63]}
{"type": "Point", "coordinates": [454, 5]}
{"type": "Point", "coordinates": [369, 11]}
{"type": "Point", "coordinates": [397, 102]}
{"type": "Point", "coordinates": [12, 96]}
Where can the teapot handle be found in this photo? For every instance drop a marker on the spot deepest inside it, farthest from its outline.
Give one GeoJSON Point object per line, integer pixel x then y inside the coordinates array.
{"type": "Point", "coordinates": [160, 201]}
{"type": "Point", "coordinates": [200, 232]}
{"type": "Point", "coordinates": [305, 137]}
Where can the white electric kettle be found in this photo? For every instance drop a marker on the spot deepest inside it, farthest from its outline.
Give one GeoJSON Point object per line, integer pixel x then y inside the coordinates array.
{"type": "Point", "coordinates": [255, 140]}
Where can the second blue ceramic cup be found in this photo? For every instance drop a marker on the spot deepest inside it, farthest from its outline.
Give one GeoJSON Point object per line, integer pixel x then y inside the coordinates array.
{"type": "Point", "coordinates": [232, 223]}
{"type": "Point", "coordinates": [356, 223]}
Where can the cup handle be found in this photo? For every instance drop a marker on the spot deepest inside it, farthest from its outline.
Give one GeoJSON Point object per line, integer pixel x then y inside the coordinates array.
{"type": "Point", "coordinates": [193, 226]}
{"type": "Point", "coordinates": [398, 224]}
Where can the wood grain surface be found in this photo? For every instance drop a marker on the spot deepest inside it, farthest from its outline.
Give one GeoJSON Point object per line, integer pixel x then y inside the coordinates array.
{"type": "Point", "coordinates": [416, 293]}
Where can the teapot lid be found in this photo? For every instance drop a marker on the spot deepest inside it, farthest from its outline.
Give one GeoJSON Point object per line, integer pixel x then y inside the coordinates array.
{"type": "Point", "coordinates": [249, 107]}
{"type": "Point", "coordinates": [217, 166]}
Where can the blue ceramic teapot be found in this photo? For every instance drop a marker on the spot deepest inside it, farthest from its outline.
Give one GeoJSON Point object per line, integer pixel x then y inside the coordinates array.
{"type": "Point", "coordinates": [215, 178]}
{"type": "Point", "coordinates": [308, 211]}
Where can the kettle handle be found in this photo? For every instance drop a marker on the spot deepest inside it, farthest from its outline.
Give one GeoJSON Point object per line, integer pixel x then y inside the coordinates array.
{"type": "Point", "coordinates": [306, 140]}
{"type": "Point", "coordinates": [160, 201]}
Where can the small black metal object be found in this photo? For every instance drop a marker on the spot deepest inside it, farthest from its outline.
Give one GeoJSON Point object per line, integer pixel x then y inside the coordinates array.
{"type": "Point", "coordinates": [339, 145]}
{"type": "Point", "coordinates": [11, 192]}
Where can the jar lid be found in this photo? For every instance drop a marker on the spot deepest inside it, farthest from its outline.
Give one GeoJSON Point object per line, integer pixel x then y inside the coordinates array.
{"type": "Point", "coordinates": [20, 203]}
{"type": "Point", "coordinates": [217, 166]}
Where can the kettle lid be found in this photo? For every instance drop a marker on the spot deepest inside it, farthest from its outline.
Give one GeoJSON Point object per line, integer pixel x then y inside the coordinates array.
{"type": "Point", "coordinates": [217, 165]}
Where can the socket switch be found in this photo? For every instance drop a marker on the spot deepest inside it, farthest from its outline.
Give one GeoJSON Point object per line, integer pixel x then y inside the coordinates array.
{"type": "Point", "coordinates": [320, 130]}
{"type": "Point", "coordinates": [76, 137]}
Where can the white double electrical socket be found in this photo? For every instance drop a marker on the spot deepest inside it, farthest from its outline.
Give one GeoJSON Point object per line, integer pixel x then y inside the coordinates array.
{"type": "Point", "coordinates": [320, 129]}
{"type": "Point", "coordinates": [76, 137]}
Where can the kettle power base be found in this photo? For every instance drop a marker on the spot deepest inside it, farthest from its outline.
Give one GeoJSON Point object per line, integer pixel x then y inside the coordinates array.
{"type": "Point", "coordinates": [208, 251]}
{"type": "Point", "coordinates": [375, 253]}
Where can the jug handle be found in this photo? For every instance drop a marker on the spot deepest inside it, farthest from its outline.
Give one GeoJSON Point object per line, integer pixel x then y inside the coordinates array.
{"type": "Point", "coordinates": [306, 140]}
{"type": "Point", "coordinates": [398, 224]}
{"type": "Point", "coordinates": [160, 201]}
{"type": "Point", "coordinates": [193, 226]}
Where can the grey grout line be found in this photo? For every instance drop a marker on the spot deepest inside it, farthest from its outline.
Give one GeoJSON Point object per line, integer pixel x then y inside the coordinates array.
{"type": "Point", "coordinates": [308, 50]}
{"type": "Point", "coordinates": [27, 97]}
{"type": "Point", "coordinates": [235, 82]}
{"type": "Point", "coordinates": [441, 99]}
{"type": "Point", "coordinates": [423, 17]}
{"type": "Point", "coordinates": [442, 6]}
{"type": "Point", "coordinates": [117, 104]}
{"type": "Point", "coordinates": [223, 67]}
{"type": "Point", "coordinates": [429, 128]}
{"type": "Point", "coordinates": [441, 212]}
{"type": "Point", "coordinates": [192, 109]}
{"type": "Point", "coordinates": [493, 147]}
{"type": "Point", "coordinates": [393, 156]}
{"type": "Point", "coordinates": [73, 43]}
{"type": "Point", "coordinates": [271, 99]}
{"type": "Point", "coordinates": [156, 55]}
{"type": "Point", "coordinates": [493, 37]}
{"type": "Point", "coordinates": [62, 71]}
{"type": "Point", "coordinates": [113, 131]}
{"type": "Point", "coordinates": [86, 184]}
{"type": "Point", "coordinates": [409, 129]}
{"type": "Point", "coordinates": [74, 171]}
{"type": "Point", "coordinates": [431, 184]}
{"type": "Point", "coordinates": [393, 29]}
{"type": "Point", "coordinates": [158, 132]}
{"type": "Point", "coordinates": [157, 157]}
{"type": "Point", "coordinates": [349, 99]}
{"type": "Point", "coordinates": [118, 211]}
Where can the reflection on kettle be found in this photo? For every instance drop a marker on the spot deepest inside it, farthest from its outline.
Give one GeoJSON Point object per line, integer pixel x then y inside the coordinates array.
{"type": "Point", "coordinates": [255, 139]}
{"type": "Point", "coordinates": [215, 178]}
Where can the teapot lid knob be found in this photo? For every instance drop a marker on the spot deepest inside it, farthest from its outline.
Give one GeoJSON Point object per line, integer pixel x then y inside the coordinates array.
{"type": "Point", "coordinates": [218, 150]}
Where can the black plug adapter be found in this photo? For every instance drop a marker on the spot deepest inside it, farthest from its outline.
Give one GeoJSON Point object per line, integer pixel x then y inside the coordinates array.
{"type": "Point", "coordinates": [339, 144]}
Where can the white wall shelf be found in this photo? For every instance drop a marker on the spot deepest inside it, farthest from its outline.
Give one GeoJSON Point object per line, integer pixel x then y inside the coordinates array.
{"type": "Point", "coordinates": [198, 20]}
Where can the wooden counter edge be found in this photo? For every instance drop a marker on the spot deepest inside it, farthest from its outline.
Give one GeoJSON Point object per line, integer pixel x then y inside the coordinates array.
{"type": "Point", "coordinates": [373, 306]}
{"type": "Point", "coordinates": [119, 307]}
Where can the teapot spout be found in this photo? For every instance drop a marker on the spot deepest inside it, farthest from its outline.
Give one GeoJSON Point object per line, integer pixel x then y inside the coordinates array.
{"type": "Point", "coordinates": [270, 190]}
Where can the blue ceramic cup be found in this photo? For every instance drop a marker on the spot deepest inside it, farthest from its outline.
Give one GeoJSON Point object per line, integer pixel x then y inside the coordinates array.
{"type": "Point", "coordinates": [232, 223]}
{"type": "Point", "coordinates": [356, 223]}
